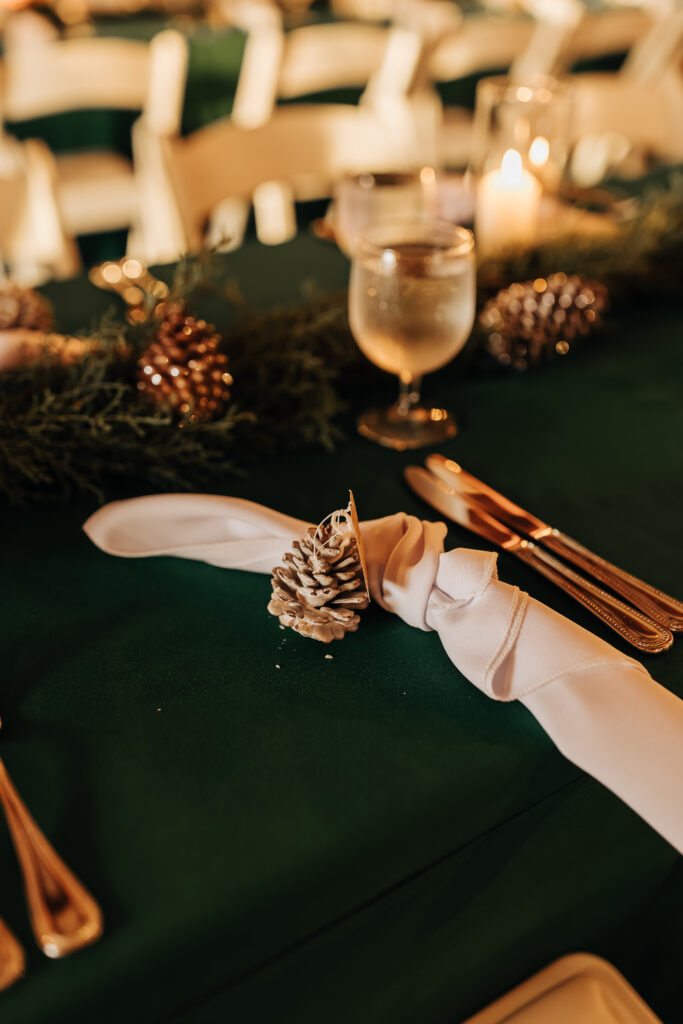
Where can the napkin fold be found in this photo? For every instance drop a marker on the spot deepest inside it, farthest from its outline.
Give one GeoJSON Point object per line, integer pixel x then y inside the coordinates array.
{"type": "Point", "coordinates": [601, 708]}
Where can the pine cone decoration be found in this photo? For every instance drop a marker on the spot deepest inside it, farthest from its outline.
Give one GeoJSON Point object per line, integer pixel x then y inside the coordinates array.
{"type": "Point", "coordinates": [24, 307]}
{"type": "Point", "coordinates": [527, 323]}
{"type": "Point", "coordinates": [182, 370]}
{"type": "Point", "coordinates": [320, 588]}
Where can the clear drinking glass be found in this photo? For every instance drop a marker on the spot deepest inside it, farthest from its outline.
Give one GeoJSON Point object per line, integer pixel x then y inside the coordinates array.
{"type": "Point", "coordinates": [532, 116]}
{"type": "Point", "coordinates": [411, 310]}
{"type": "Point", "coordinates": [362, 199]}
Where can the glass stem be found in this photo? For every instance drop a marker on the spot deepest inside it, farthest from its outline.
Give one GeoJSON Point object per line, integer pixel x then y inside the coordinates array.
{"type": "Point", "coordinates": [408, 395]}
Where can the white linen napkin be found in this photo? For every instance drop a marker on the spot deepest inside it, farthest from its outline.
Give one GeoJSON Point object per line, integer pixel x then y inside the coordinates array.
{"type": "Point", "coordinates": [601, 708]}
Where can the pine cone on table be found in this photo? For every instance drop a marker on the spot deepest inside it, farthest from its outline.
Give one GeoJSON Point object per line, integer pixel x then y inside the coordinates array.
{"type": "Point", "coordinates": [529, 322]}
{"type": "Point", "coordinates": [181, 370]}
{"type": "Point", "coordinates": [24, 307]}
{"type": "Point", "coordinates": [320, 588]}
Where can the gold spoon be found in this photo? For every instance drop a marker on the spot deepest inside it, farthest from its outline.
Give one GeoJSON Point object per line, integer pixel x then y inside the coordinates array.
{"type": "Point", "coordinates": [64, 916]}
{"type": "Point", "coordinates": [11, 958]}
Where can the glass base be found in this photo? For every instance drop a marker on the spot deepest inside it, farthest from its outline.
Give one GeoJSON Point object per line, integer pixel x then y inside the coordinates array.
{"type": "Point", "coordinates": [414, 428]}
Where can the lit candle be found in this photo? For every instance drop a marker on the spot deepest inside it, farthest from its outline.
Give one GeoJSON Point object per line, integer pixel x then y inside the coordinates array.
{"type": "Point", "coordinates": [507, 204]}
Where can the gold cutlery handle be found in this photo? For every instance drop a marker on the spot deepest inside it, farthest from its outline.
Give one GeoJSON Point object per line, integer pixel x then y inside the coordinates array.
{"type": "Point", "coordinates": [64, 916]}
{"type": "Point", "coordinates": [11, 958]}
{"type": "Point", "coordinates": [659, 606]}
{"type": "Point", "coordinates": [631, 624]}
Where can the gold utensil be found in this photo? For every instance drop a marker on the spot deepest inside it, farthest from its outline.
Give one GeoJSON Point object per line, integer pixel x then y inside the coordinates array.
{"type": "Point", "coordinates": [654, 603]}
{"type": "Point", "coordinates": [631, 624]}
{"type": "Point", "coordinates": [64, 916]}
{"type": "Point", "coordinates": [11, 958]}
{"type": "Point", "coordinates": [132, 280]}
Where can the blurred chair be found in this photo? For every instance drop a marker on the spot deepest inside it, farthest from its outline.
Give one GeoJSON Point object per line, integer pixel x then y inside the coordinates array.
{"type": "Point", "coordinates": [299, 152]}
{"type": "Point", "coordinates": [27, 27]}
{"type": "Point", "coordinates": [658, 51]}
{"type": "Point", "coordinates": [559, 33]}
{"type": "Point", "coordinates": [99, 191]}
{"type": "Point", "coordinates": [637, 113]}
{"type": "Point", "coordinates": [494, 41]}
{"type": "Point", "coordinates": [383, 62]}
{"type": "Point", "coordinates": [413, 13]}
{"type": "Point", "coordinates": [311, 59]}
{"type": "Point", "coordinates": [556, 22]}
{"type": "Point", "coordinates": [363, 10]}
{"type": "Point", "coordinates": [33, 245]}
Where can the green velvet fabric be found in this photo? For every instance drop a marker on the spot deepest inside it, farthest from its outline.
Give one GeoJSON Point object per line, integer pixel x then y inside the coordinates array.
{"type": "Point", "coordinates": [276, 835]}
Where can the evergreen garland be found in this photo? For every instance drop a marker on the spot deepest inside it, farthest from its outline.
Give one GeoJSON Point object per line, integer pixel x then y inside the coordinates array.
{"type": "Point", "coordinates": [70, 428]}
{"type": "Point", "coordinates": [73, 428]}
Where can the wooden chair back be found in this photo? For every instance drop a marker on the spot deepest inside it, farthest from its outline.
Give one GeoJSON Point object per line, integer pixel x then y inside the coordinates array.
{"type": "Point", "coordinates": [488, 43]}
{"type": "Point", "coordinates": [317, 58]}
{"type": "Point", "coordinates": [32, 240]}
{"type": "Point", "coordinates": [71, 74]}
{"type": "Point", "coordinates": [305, 148]}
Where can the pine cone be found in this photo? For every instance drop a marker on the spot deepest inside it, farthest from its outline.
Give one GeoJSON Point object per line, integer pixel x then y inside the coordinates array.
{"type": "Point", "coordinates": [527, 323]}
{"type": "Point", "coordinates": [24, 307]}
{"type": "Point", "coordinates": [182, 370]}
{"type": "Point", "coordinates": [320, 587]}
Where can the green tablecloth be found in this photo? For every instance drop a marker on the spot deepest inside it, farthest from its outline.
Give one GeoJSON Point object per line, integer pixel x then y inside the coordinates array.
{"type": "Point", "coordinates": [366, 838]}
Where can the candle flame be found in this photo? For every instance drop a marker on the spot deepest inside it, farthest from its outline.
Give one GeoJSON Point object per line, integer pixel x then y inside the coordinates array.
{"type": "Point", "coordinates": [539, 151]}
{"type": "Point", "coordinates": [511, 166]}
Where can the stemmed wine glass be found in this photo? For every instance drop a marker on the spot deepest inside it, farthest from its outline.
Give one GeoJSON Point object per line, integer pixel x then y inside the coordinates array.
{"type": "Point", "coordinates": [411, 310]}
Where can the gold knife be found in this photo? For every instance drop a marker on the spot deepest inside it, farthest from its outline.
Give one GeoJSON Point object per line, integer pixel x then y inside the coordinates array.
{"type": "Point", "coordinates": [631, 624]}
{"type": "Point", "coordinates": [654, 603]}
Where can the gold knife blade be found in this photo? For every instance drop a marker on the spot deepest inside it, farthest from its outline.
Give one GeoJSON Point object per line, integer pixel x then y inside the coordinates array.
{"type": "Point", "coordinates": [631, 624]}
{"type": "Point", "coordinates": [446, 500]}
{"type": "Point", "coordinates": [492, 501]}
{"type": "Point", "coordinates": [664, 609]}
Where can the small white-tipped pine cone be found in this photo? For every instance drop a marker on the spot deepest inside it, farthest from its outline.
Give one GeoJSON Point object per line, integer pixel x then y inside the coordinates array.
{"type": "Point", "coordinates": [320, 587]}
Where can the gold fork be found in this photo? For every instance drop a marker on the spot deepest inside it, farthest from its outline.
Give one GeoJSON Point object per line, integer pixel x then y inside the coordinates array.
{"type": "Point", "coordinates": [64, 916]}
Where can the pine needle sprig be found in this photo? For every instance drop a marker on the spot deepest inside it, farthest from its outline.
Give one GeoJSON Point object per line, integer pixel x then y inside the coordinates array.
{"type": "Point", "coordinates": [74, 428]}
{"type": "Point", "coordinates": [289, 362]}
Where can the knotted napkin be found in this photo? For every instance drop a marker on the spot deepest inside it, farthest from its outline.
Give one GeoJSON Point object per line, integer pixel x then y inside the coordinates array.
{"type": "Point", "coordinates": [601, 708]}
